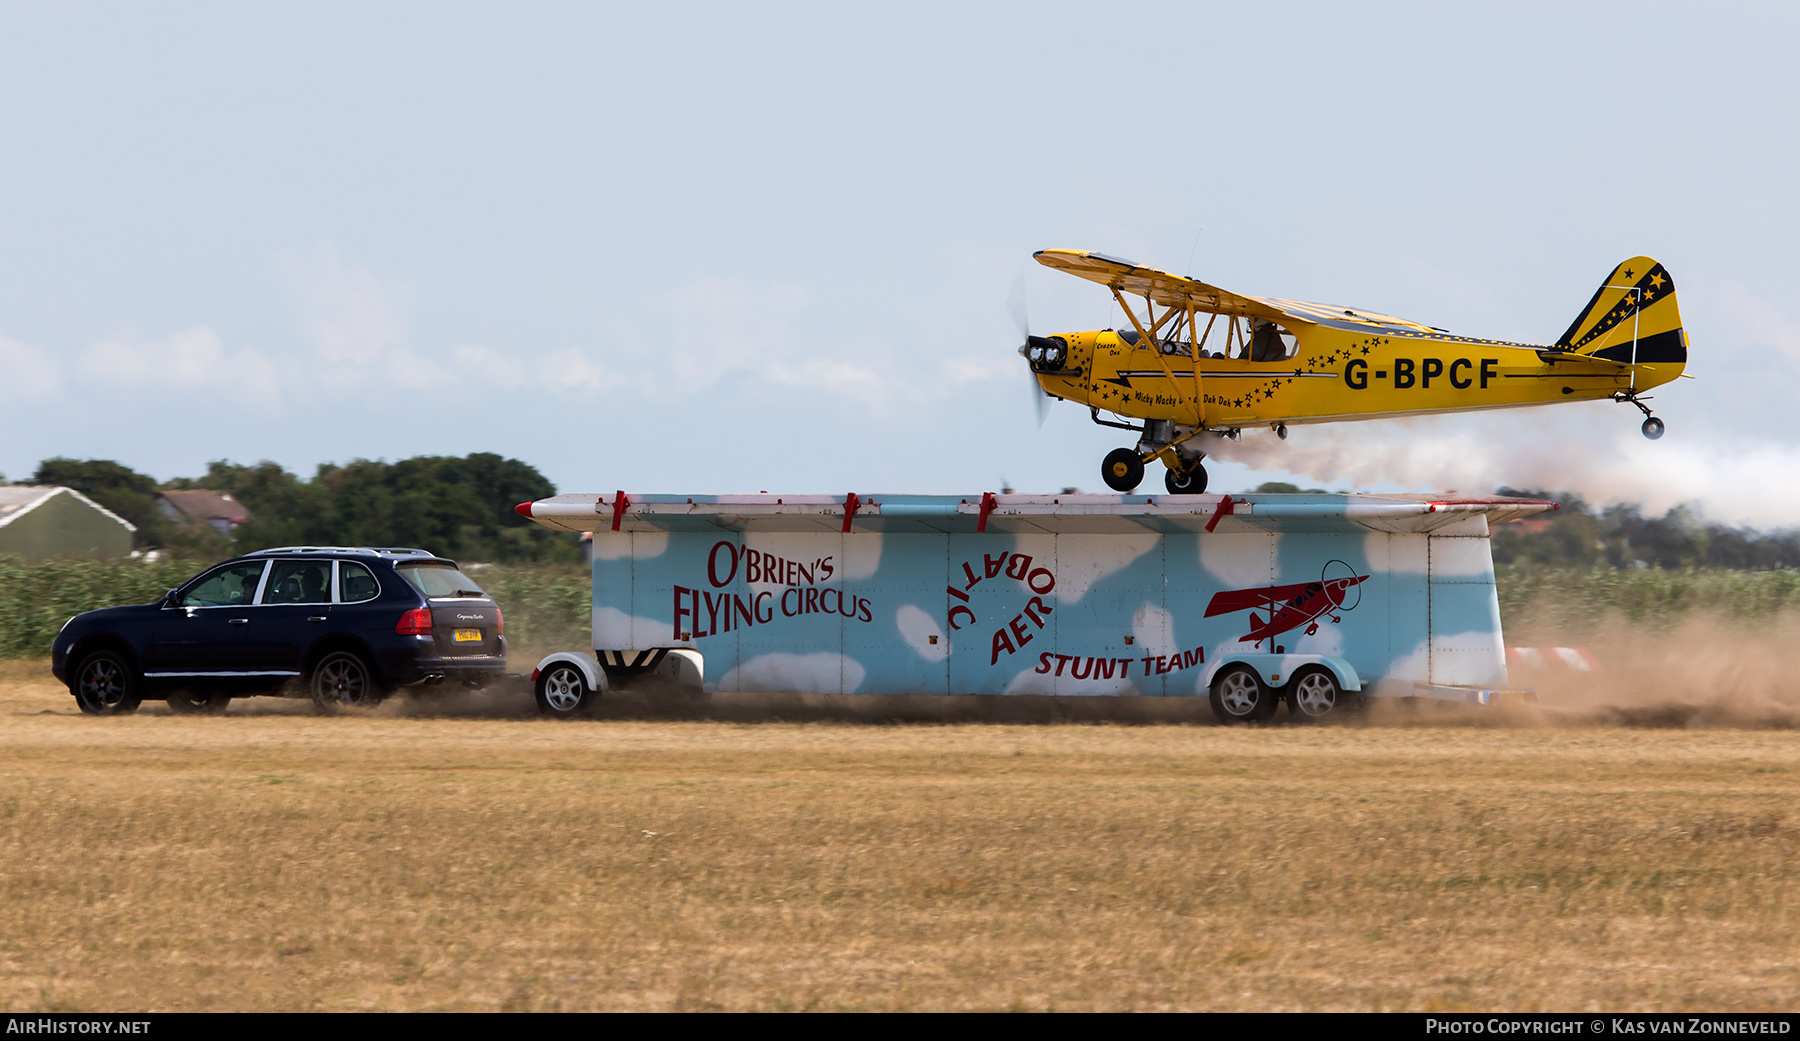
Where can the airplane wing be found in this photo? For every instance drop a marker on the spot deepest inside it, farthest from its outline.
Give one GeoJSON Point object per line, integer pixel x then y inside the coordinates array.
{"type": "Point", "coordinates": [1175, 291]}
{"type": "Point", "coordinates": [1245, 599]}
{"type": "Point", "coordinates": [1160, 286]}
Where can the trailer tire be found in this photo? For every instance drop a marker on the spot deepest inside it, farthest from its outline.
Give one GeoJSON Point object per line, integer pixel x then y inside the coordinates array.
{"type": "Point", "coordinates": [1315, 694]}
{"type": "Point", "coordinates": [1239, 695]}
{"type": "Point", "coordinates": [562, 691]}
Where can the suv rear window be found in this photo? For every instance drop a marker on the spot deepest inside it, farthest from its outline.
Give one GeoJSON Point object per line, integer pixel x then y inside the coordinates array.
{"type": "Point", "coordinates": [439, 580]}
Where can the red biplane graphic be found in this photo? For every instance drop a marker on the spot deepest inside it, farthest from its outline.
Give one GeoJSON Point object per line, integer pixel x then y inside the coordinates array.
{"type": "Point", "coordinates": [1291, 606]}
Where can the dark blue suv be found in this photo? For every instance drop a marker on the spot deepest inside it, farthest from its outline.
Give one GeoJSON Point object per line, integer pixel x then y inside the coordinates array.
{"type": "Point", "coordinates": [342, 625]}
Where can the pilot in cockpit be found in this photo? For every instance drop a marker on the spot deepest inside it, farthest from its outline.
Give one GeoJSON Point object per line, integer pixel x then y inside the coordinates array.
{"type": "Point", "coordinates": [1269, 343]}
{"type": "Point", "coordinates": [1265, 341]}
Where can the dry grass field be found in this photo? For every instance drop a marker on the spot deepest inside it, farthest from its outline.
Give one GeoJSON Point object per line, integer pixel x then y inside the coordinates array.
{"type": "Point", "coordinates": [487, 860]}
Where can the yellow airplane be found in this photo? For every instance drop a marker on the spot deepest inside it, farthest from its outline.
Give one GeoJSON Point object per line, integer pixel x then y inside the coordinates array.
{"type": "Point", "coordinates": [1280, 362]}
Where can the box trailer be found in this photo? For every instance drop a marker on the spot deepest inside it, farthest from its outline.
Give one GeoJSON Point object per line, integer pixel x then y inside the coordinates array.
{"type": "Point", "coordinates": [1251, 600]}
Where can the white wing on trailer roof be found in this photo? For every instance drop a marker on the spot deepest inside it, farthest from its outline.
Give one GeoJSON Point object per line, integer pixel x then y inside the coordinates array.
{"type": "Point", "coordinates": [1025, 514]}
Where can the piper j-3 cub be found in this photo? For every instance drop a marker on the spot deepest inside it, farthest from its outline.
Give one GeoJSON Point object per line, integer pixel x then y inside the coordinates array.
{"type": "Point", "coordinates": [1199, 359]}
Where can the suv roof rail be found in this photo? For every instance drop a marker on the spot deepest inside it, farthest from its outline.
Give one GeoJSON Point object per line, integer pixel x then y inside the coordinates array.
{"type": "Point", "coordinates": [365, 551]}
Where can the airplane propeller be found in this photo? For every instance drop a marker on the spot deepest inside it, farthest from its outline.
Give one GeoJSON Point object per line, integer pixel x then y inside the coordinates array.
{"type": "Point", "coordinates": [1022, 318]}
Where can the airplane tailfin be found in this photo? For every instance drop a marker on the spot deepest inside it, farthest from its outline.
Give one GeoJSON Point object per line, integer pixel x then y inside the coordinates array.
{"type": "Point", "coordinates": [1632, 317]}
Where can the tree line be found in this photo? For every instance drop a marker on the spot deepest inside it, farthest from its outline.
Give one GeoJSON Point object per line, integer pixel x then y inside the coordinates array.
{"type": "Point", "coordinates": [460, 507]}
{"type": "Point", "coordinates": [463, 507]}
{"type": "Point", "coordinates": [1582, 535]}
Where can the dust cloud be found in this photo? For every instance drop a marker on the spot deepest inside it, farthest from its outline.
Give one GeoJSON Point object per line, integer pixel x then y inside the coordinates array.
{"type": "Point", "coordinates": [1702, 671]}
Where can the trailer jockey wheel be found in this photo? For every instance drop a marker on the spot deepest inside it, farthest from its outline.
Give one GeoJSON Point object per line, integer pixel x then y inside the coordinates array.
{"type": "Point", "coordinates": [1240, 696]}
{"type": "Point", "coordinates": [1191, 481]}
{"type": "Point", "coordinates": [1122, 470]}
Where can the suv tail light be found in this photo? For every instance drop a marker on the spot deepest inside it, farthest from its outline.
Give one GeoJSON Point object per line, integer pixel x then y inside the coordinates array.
{"type": "Point", "coordinates": [499, 623]}
{"type": "Point", "coordinates": [416, 622]}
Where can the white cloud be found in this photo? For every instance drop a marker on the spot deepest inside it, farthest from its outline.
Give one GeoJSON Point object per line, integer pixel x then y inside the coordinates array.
{"type": "Point", "coordinates": [1740, 318]}
{"type": "Point", "coordinates": [188, 359]}
{"type": "Point", "coordinates": [710, 327]}
{"type": "Point", "coordinates": [357, 324]}
{"type": "Point", "coordinates": [27, 371]}
{"type": "Point", "coordinates": [351, 316]}
{"type": "Point", "coordinates": [488, 368]}
{"type": "Point", "coordinates": [572, 372]}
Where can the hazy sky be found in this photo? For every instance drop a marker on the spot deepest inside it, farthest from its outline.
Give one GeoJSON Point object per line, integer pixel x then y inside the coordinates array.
{"type": "Point", "coordinates": [710, 248]}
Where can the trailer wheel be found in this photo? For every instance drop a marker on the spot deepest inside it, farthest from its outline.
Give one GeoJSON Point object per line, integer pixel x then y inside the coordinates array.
{"type": "Point", "coordinates": [1314, 694]}
{"type": "Point", "coordinates": [562, 691]}
{"type": "Point", "coordinates": [1240, 696]}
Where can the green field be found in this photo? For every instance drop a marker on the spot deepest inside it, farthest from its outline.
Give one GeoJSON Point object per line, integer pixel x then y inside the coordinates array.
{"type": "Point", "coordinates": [546, 605]}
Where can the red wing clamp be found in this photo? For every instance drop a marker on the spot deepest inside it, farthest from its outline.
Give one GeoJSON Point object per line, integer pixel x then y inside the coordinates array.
{"type": "Point", "coordinates": [988, 502]}
{"type": "Point", "coordinates": [851, 505]}
{"type": "Point", "coordinates": [1226, 508]}
{"type": "Point", "coordinates": [619, 503]}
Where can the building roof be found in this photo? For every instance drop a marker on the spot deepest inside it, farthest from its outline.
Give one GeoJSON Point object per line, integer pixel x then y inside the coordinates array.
{"type": "Point", "coordinates": [204, 504]}
{"type": "Point", "coordinates": [16, 500]}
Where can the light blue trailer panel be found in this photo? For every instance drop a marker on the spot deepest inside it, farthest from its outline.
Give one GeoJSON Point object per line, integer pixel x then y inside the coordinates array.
{"type": "Point", "coordinates": [1068, 595]}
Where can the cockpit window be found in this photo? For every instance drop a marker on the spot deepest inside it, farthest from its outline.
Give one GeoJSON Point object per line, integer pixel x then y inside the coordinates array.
{"type": "Point", "coordinates": [1265, 341]}
{"type": "Point", "coordinates": [1270, 342]}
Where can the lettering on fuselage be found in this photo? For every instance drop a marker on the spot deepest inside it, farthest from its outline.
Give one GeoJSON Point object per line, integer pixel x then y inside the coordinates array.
{"type": "Point", "coordinates": [1408, 373]}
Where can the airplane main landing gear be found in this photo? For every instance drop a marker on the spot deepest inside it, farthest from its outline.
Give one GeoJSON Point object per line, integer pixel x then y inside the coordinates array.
{"type": "Point", "coordinates": [1122, 470]}
{"type": "Point", "coordinates": [1653, 428]}
{"type": "Point", "coordinates": [1191, 481]}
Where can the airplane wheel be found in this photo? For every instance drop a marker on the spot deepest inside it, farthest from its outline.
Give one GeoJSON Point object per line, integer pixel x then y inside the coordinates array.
{"type": "Point", "coordinates": [1122, 470]}
{"type": "Point", "coordinates": [1191, 481]}
{"type": "Point", "coordinates": [1653, 428]}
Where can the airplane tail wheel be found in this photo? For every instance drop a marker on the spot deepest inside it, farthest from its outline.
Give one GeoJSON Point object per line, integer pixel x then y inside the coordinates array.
{"type": "Point", "coordinates": [1122, 470]}
{"type": "Point", "coordinates": [1653, 428]}
{"type": "Point", "coordinates": [1191, 481]}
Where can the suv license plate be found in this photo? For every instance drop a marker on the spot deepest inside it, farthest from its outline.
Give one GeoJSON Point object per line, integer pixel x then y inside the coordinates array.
{"type": "Point", "coordinates": [467, 636]}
